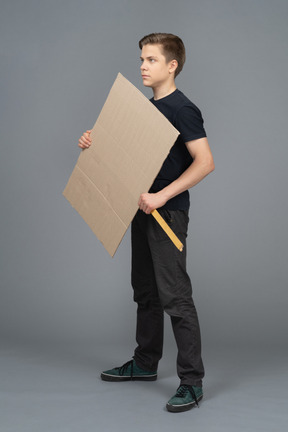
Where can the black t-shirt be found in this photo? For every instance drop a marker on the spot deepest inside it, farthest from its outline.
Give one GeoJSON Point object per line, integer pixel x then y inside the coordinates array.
{"type": "Point", "coordinates": [187, 119]}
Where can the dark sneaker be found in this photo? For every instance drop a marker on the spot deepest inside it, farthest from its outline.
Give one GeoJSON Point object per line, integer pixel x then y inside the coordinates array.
{"type": "Point", "coordinates": [185, 398]}
{"type": "Point", "coordinates": [129, 371]}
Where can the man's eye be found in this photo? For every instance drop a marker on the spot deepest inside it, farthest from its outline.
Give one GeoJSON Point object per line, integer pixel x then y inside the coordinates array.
{"type": "Point", "coordinates": [152, 60]}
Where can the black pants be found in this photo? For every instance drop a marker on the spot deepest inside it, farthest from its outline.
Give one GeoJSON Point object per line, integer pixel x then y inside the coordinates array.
{"type": "Point", "coordinates": [161, 283]}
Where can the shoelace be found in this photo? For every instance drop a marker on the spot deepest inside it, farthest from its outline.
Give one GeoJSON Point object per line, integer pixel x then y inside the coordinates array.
{"type": "Point", "coordinates": [182, 392]}
{"type": "Point", "coordinates": [122, 369]}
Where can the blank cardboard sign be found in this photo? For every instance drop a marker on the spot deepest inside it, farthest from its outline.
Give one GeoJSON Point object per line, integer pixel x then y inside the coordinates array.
{"type": "Point", "coordinates": [130, 141]}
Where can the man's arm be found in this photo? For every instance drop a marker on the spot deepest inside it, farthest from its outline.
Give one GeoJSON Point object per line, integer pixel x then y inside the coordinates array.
{"type": "Point", "coordinates": [201, 166]}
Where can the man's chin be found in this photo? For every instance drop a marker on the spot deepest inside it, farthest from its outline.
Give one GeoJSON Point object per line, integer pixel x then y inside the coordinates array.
{"type": "Point", "coordinates": [146, 84]}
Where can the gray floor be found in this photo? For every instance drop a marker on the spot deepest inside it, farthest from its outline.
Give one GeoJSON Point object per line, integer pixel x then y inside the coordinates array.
{"type": "Point", "coordinates": [49, 388]}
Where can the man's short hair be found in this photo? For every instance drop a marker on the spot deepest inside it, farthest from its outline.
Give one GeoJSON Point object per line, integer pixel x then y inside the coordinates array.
{"type": "Point", "coordinates": [172, 46]}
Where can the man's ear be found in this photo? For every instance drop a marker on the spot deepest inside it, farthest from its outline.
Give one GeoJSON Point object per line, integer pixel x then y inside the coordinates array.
{"type": "Point", "coordinates": [173, 66]}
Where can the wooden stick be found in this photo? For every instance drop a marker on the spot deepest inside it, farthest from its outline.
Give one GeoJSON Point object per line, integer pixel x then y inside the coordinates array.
{"type": "Point", "coordinates": [167, 230]}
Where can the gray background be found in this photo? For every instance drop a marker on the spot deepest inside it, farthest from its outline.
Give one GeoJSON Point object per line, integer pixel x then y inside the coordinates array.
{"type": "Point", "coordinates": [66, 306]}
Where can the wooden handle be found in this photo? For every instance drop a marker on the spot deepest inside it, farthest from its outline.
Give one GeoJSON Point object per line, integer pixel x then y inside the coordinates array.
{"type": "Point", "coordinates": [167, 230]}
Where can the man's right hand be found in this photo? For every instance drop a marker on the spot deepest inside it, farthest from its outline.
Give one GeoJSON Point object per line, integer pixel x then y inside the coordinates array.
{"type": "Point", "coordinates": [85, 140]}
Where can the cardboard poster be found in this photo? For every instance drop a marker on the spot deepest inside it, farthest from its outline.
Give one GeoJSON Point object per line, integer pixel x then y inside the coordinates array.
{"type": "Point", "coordinates": [130, 141]}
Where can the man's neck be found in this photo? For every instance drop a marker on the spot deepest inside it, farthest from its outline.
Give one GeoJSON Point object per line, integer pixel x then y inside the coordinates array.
{"type": "Point", "coordinates": [163, 91]}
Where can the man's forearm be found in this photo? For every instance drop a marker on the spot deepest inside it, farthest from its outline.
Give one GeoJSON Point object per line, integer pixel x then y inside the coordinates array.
{"type": "Point", "coordinates": [196, 172]}
{"type": "Point", "coordinates": [201, 166]}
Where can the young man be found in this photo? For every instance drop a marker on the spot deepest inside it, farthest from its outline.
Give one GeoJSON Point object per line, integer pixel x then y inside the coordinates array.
{"type": "Point", "coordinates": [159, 276]}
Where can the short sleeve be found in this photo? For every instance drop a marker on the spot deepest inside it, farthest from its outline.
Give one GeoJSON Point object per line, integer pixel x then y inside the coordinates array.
{"type": "Point", "coordinates": [189, 122]}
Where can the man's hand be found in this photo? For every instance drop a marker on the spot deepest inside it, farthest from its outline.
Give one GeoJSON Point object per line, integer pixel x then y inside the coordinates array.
{"type": "Point", "coordinates": [85, 140]}
{"type": "Point", "coordinates": [151, 201]}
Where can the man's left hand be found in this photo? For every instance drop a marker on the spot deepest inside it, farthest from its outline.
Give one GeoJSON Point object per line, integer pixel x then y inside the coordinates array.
{"type": "Point", "coordinates": [150, 201]}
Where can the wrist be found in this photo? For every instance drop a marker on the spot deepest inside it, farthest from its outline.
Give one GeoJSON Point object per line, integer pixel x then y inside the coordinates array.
{"type": "Point", "coordinates": [163, 195]}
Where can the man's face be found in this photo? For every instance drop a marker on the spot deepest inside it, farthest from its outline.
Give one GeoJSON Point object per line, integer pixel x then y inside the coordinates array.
{"type": "Point", "coordinates": [154, 68]}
